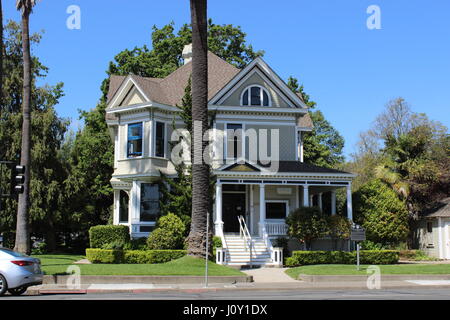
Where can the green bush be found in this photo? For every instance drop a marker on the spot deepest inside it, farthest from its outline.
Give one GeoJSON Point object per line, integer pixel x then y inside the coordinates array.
{"type": "Point", "coordinates": [136, 244]}
{"type": "Point", "coordinates": [168, 235]}
{"type": "Point", "coordinates": [100, 236]}
{"type": "Point", "coordinates": [104, 256]}
{"type": "Point", "coordinates": [300, 258]}
{"type": "Point", "coordinates": [217, 242]}
{"type": "Point", "coordinates": [152, 256]}
{"type": "Point", "coordinates": [133, 256]}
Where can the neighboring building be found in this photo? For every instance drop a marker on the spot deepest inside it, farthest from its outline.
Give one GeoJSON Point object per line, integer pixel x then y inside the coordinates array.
{"type": "Point", "coordinates": [433, 230]}
{"type": "Point", "coordinates": [141, 113]}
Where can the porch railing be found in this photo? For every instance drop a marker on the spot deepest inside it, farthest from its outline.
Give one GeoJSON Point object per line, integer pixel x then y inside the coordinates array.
{"type": "Point", "coordinates": [276, 228]}
{"type": "Point", "coordinates": [244, 233]}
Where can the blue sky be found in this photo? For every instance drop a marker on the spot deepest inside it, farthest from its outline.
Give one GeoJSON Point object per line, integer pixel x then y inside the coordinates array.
{"type": "Point", "coordinates": [349, 70]}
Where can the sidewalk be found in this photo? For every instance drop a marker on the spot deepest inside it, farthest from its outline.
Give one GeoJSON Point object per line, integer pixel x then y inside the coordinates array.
{"type": "Point", "coordinates": [264, 279]}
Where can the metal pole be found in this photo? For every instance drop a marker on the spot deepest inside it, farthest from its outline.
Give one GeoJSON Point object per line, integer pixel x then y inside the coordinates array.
{"type": "Point", "coordinates": [207, 249]}
{"type": "Point", "coordinates": [357, 256]}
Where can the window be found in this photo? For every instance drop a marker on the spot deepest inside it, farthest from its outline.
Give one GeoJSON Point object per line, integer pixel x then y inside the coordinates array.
{"type": "Point", "coordinates": [234, 141]}
{"type": "Point", "coordinates": [160, 139]}
{"type": "Point", "coordinates": [255, 96]}
{"type": "Point", "coordinates": [149, 202]}
{"type": "Point", "coordinates": [123, 206]}
{"type": "Point", "coordinates": [429, 226]}
{"type": "Point", "coordinates": [276, 210]}
{"type": "Point", "coordinates": [134, 145]}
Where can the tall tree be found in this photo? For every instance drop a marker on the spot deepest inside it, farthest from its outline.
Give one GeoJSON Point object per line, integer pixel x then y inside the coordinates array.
{"type": "Point", "coordinates": [47, 178]}
{"type": "Point", "coordinates": [22, 231]}
{"type": "Point", "coordinates": [1, 57]}
{"type": "Point", "coordinates": [200, 169]}
{"type": "Point", "coordinates": [323, 146]}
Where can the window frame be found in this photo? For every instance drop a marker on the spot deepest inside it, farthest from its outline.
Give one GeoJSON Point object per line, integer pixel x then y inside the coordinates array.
{"type": "Point", "coordinates": [141, 123]}
{"type": "Point", "coordinates": [155, 125]}
{"type": "Point", "coordinates": [286, 202]}
{"type": "Point", "coordinates": [227, 157]}
{"type": "Point", "coordinates": [127, 206]}
{"type": "Point", "coordinates": [141, 186]}
{"type": "Point", "coordinates": [262, 90]}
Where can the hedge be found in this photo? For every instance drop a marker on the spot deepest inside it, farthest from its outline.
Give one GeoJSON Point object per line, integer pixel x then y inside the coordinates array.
{"type": "Point", "coordinates": [104, 235]}
{"type": "Point", "coordinates": [133, 256]}
{"type": "Point", "coordinates": [300, 258]}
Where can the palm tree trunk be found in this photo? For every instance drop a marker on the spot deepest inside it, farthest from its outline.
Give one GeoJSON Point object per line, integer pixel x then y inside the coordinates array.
{"type": "Point", "coordinates": [22, 232]}
{"type": "Point", "coordinates": [200, 170]}
{"type": "Point", "coordinates": [1, 59]}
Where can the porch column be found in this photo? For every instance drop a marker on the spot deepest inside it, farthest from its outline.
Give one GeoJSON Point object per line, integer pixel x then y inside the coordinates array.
{"type": "Point", "coordinates": [333, 203]}
{"type": "Point", "coordinates": [262, 210]}
{"type": "Point", "coordinates": [305, 196]}
{"type": "Point", "coordinates": [311, 200]}
{"type": "Point", "coordinates": [349, 202]}
{"type": "Point", "coordinates": [252, 209]}
{"type": "Point", "coordinates": [218, 223]}
{"type": "Point", "coordinates": [320, 200]}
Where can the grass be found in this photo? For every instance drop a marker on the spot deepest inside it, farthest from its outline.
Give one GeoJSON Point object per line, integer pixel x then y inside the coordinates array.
{"type": "Point", "coordinates": [345, 269]}
{"type": "Point", "coordinates": [186, 266]}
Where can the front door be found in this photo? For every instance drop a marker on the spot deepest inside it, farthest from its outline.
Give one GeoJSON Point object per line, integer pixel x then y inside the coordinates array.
{"type": "Point", "coordinates": [233, 207]}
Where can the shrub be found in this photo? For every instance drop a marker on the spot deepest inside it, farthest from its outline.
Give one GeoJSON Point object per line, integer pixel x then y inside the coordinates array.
{"type": "Point", "coordinates": [115, 245]}
{"type": "Point", "coordinates": [168, 235]}
{"type": "Point", "coordinates": [307, 224]}
{"type": "Point", "coordinates": [133, 256]}
{"type": "Point", "coordinates": [415, 255]}
{"type": "Point", "coordinates": [342, 257]}
{"type": "Point", "coordinates": [217, 242]}
{"type": "Point", "coordinates": [103, 235]}
{"type": "Point", "coordinates": [370, 245]}
{"type": "Point", "coordinates": [104, 256]}
{"type": "Point", "coordinates": [136, 244]}
{"type": "Point", "coordinates": [152, 256]}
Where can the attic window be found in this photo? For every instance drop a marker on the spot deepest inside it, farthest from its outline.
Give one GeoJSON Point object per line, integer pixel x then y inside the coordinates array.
{"type": "Point", "coordinates": [255, 96]}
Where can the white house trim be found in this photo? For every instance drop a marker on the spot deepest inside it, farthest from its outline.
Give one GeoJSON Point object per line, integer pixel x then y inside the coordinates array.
{"type": "Point", "coordinates": [248, 89]}
{"type": "Point", "coordinates": [220, 96]}
{"type": "Point", "coordinates": [123, 91]}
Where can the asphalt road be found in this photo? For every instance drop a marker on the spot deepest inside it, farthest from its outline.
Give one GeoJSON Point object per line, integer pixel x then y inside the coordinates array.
{"type": "Point", "coordinates": [383, 294]}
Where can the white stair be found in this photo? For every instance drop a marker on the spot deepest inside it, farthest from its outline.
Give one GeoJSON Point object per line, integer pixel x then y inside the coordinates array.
{"type": "Point", "coordinates": [238, 254]}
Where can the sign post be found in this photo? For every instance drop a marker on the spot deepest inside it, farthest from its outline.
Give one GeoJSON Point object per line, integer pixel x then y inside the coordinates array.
{"type": "Point", "coordinates": [358, 234]}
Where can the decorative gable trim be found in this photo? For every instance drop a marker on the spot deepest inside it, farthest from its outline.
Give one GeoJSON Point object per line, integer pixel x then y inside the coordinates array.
{"type": "Point", "coordinates": [124, 90]}
{"type": "Point", "coordinates": [262, 68]}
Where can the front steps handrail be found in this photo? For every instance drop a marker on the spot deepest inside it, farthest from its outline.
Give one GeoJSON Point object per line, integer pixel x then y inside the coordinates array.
{"type": "Point", "coordinates": [244, 233]}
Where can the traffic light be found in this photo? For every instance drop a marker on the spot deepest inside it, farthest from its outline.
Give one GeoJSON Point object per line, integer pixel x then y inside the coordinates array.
{"type": "Point", "coordinates": [17, 179]}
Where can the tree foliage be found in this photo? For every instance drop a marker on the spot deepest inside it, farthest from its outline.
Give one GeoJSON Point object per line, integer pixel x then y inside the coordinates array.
{"type": "Point", "coordinates": [307, 224]}
{"type": "Point", "coordinates": [379, 210]}
{"type": "Point", "coordinates": [47, 167]}
{"type": "Point", "coordinates": [324, 145]}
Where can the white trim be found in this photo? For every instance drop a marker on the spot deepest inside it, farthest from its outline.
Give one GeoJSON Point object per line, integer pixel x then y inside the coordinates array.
{"type": "Point", "coordinates": [271, 74]}
{"type": "Point", "coordinates": [239, 109]}
{"type": "Point", "coordinates": [126, 85]}
{"type": "Point", "coordinates": [154, 139]}
{"type": "Point", "coordinates": [143, 140]}
{"type": "Point", "coordinates": [269, 123]}
{"type": "Point", "coordinates": [248, 89]}
{"type": "Point", "coordinates": [300, 175]}
{"type": "Point", "coordinates": [441, 239]}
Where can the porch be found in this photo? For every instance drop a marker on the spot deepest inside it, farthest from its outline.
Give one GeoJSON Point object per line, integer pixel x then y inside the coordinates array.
{"type": "Point", "coordinates": [265, 203]}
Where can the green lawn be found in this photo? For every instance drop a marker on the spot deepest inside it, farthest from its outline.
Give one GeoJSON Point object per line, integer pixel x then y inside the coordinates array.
{"type": "Point", "coordinates": [186, 266]}
{"type": "Point", "coordinates": [345, 269]}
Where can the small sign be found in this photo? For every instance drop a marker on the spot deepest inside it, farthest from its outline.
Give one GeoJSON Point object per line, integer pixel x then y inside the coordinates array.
{"type": "Point", "coordinates": [358, 235]}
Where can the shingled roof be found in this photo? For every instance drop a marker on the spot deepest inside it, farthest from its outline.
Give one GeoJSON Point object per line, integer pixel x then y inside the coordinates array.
{"type": "Point", "coordinates": [170, 90]}
{"type": "Point", "coordinates": [441, 209]}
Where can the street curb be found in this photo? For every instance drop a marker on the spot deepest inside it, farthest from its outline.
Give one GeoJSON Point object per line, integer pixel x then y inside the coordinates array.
{"type": "Point", "coordinates": [62, 279]}
{"type": "Point", "coordinates": [358, 278]}
{"type": "Point", "coordinates": [203, 290]}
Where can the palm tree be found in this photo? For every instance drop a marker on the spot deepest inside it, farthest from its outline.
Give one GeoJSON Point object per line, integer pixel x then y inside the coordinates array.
{"type": "Point", "coordinates": [22, 230]}
{"type": "Point", "coordinates": [1, 58]}
{"type": "Point", "coordinates": [200, 170]}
